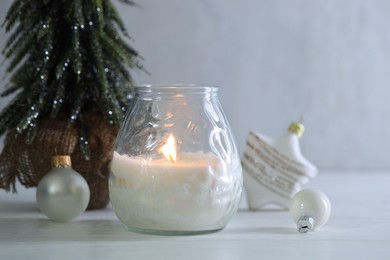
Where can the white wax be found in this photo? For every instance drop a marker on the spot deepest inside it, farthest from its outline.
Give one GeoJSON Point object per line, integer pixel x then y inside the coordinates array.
{"type": "Point", "coordinates": [197, 192]}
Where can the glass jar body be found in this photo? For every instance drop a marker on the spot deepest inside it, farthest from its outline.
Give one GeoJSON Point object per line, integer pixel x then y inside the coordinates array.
{"type": "Point", "coordinates": [175, 169]}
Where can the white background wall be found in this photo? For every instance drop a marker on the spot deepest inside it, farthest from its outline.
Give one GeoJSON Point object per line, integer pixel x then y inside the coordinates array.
{"type": "Point", "coordinates": [275, 60]}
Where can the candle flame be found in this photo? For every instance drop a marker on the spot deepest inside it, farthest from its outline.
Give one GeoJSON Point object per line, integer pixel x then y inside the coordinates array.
{"type": "Point", "coordinates": [169, 149]}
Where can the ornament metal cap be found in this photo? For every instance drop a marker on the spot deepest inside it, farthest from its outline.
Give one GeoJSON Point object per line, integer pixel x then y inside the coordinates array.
{"type": "Point", "coordinates": [305, 224]}
{"type": "Point", "coordinates": [58, 161]}
{"type": "Point", "coordinates": [296, 128]}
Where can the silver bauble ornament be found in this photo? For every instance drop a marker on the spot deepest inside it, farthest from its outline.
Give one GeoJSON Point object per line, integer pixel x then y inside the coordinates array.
{"type": "Point", "coordinates": [62, 194]}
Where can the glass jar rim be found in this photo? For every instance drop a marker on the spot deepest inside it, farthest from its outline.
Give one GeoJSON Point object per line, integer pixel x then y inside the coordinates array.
{"type": "Point", "coordinates": [146, 88]}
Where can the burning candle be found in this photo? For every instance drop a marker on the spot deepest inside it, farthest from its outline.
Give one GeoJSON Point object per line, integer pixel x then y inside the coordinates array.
{"type": "Point", "coordinates": [175, 169]}
{"type": "Point", "coordinates": [169, 149]}
{"type": "Point", "coordinates": [189, 193]}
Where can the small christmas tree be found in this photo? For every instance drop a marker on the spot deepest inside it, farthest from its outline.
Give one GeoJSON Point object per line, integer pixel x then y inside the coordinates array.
{"type": "Point", "coordinates": [69, 65]}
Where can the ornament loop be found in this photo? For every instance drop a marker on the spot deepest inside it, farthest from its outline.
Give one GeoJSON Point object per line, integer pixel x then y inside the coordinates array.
{"type": "Point", "coordinates": [58, 161]}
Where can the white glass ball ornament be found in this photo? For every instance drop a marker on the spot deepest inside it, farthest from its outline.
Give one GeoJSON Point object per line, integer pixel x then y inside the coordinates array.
{"type": "Point", "coordinates": [310, 209]}
{"type": "Point", "coordinates": [62, 194]}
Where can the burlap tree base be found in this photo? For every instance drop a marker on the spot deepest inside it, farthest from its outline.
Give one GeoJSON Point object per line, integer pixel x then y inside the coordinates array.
{"type": "Point", "coordinates": [30, 162]}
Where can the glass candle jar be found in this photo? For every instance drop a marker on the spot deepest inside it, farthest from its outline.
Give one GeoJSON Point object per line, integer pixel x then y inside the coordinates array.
{"type": "Point", "coordinates": [175, 169]}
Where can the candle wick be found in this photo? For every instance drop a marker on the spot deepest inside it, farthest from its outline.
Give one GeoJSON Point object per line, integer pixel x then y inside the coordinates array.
{"type": "Point", "coordinates": [170, 157]}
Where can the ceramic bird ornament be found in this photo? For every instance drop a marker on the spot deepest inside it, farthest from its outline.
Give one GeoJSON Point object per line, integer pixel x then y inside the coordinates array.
{"type": "Point", "coordinates": [275, 169]}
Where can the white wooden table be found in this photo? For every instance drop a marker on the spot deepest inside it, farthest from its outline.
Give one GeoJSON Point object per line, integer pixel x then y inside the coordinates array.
{"type": "Point", "coordinates": [359, 228]}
